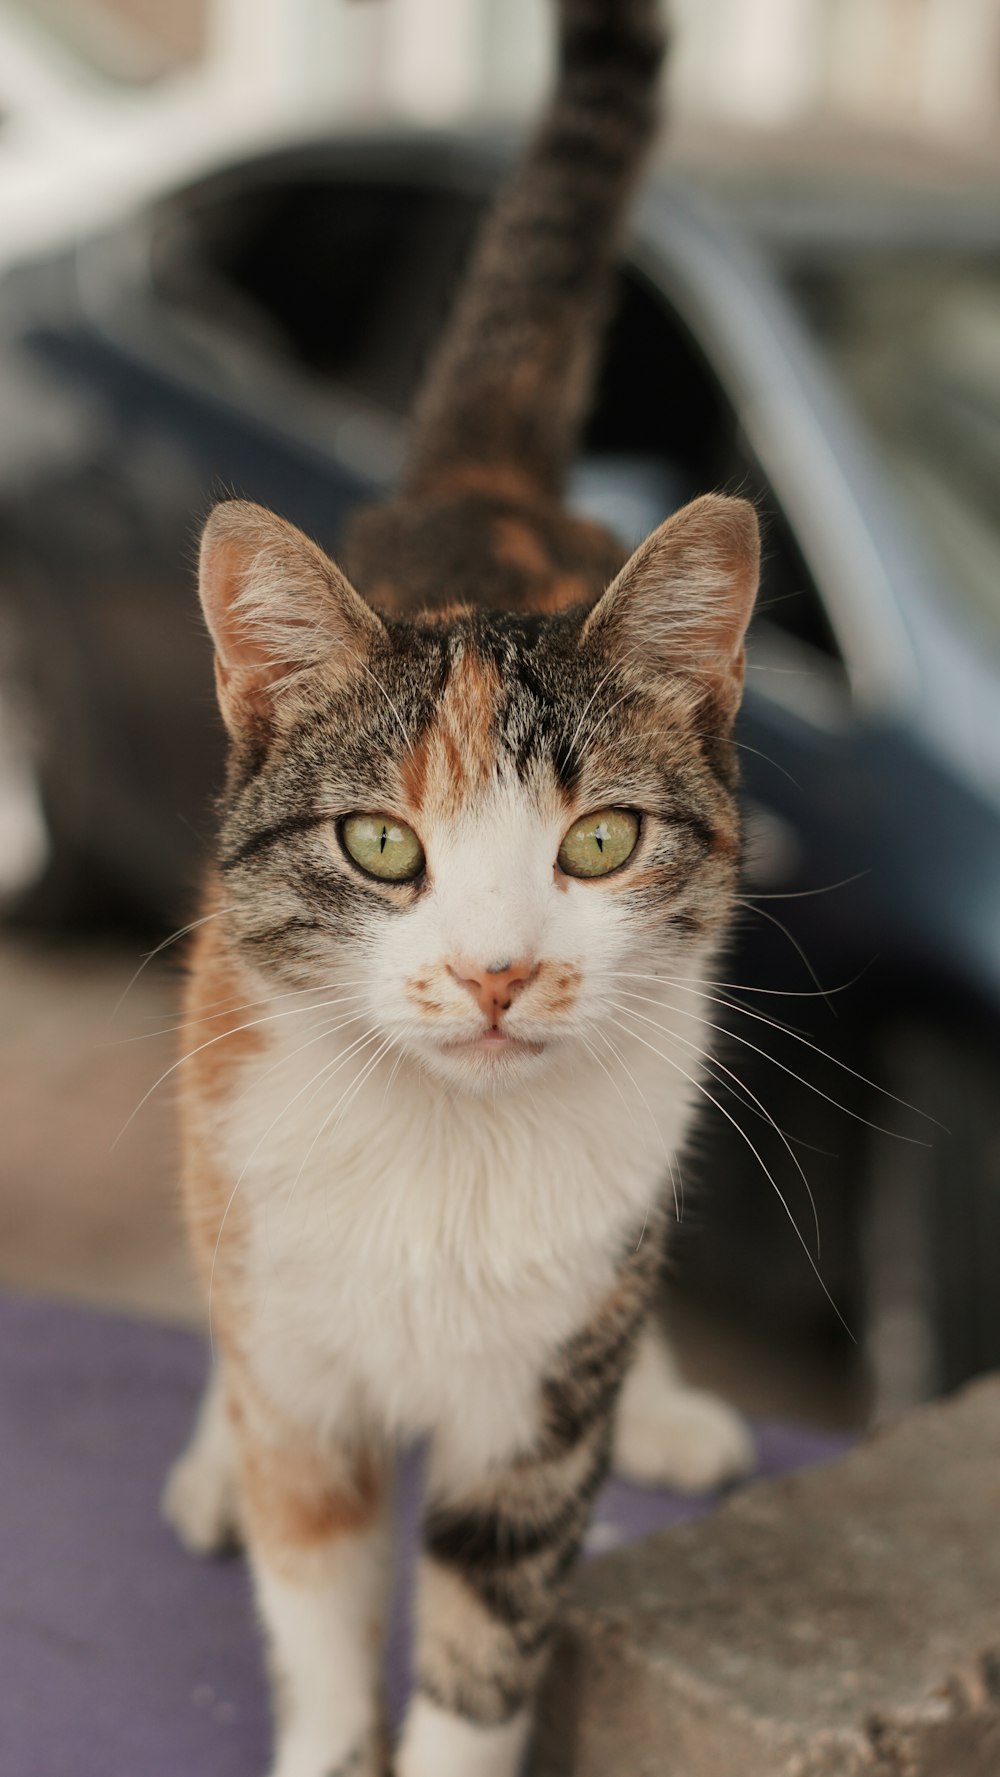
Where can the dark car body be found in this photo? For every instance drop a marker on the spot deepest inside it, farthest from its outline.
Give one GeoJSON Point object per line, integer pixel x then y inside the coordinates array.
{"type": "Point", "coordinates": [262, 333]}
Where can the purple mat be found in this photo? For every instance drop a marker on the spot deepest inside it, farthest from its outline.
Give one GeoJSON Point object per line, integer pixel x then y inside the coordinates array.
{"type": "Point", "coordinates": [120, 1655]}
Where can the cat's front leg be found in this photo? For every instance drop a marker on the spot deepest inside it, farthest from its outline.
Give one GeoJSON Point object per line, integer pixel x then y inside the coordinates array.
{"type": "Point", "coordinates": [489, 1588]}
{"type": "Point", "coordinates": [317, 1537]}
{"type": "Point", "coordinates": [497, 1552]}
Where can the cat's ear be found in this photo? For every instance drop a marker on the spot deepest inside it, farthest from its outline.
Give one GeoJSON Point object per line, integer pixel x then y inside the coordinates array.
{"type": "Point", "coordinates": [275, 606]}
{"type": "Point", "coordinates": [682, 602]}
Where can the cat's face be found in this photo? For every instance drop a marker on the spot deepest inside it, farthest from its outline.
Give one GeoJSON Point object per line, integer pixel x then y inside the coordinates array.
{"type": "Point", "coordinates": [483, 824]}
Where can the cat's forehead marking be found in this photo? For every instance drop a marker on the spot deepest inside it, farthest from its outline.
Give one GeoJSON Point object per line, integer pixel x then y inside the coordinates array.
{"type": "Point", "coordinates": [512, 690]}
{"type": "Point", "coordinates": [456, 755]}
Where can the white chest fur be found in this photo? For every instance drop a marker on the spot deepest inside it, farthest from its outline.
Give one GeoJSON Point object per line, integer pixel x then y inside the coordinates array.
{"type": "Point", "coordinates": [416, 1257]}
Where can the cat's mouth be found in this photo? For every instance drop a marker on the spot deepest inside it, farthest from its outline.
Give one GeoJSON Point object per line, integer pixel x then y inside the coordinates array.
{"type": "Point", "coordinates": [494, 1044]}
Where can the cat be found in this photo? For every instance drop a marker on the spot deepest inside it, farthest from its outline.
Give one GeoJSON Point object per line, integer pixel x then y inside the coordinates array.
{"type": "Point", "coordinates": [480, 823]}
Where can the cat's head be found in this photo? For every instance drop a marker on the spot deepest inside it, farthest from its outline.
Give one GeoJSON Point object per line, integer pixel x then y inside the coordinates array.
{"type": "Point", "coordinates": [481, 823]}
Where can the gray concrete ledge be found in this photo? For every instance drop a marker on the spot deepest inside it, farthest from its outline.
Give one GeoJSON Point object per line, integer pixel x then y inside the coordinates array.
{"type": "Point", "coordinates": [839, 1622]}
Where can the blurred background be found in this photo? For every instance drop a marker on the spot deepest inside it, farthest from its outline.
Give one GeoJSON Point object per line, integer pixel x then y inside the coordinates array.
{"type": "Point", "coordinates": [228, 234]}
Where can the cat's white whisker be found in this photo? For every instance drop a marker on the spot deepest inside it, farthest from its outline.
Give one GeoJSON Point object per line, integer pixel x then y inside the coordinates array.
{"type": "Point", "coordinates": [369, 1068]}
{"type": "Point", "coordinates": [290, 993]}
{"type": "Point", "coordinates": [253, 1024]}
{"type": "Point", "coordinates": [223, 1011]}
{"type": "Point", "coordinates": [828, 888]}
{"type": "Point", "coordinates": [699, 1087]}
{"type": "Point", "coordinates": [361, 1043]}
{"type": "Point", "coordinates": [676, 1183]}
{"type": "Point", "coordinates": [797, 1037]}
{"type": "Point", "coordinates": [604, 715]}
{"type": "Point", "coordinates": [328, 1029]}
{"type": "Point", "coordinates": [591, 700]}
{"type": "Point", "coordinates": [772, 919]}
{"type": "Point", "coordinates": [603, 1066]}
{"type": "Point", "coordinates": [739, 1093]}
{"type": "Point", "coordinates": [230, 1200]}
{"type": "Point", "coordinates": [365, 668]}
{"type": "Point", "coordinates": [720, 1067]}
{"type": "Point", "coordinates": [321, 1072]}
{"type": "Point", "coordinates": [744, 747]}
{"type": "Point", "coordinates": [328, 1069]}
{"type": "Point", "coordinates": [623, 1064]}
{"type": "Point", "coordinates": [397, 1064]}
{"type": "Point", "coordinates": [174, 938]}
{"type": "Point", "coordinates": [342, 1105]}
{"type": "Point", "coordinates": [781, 993]}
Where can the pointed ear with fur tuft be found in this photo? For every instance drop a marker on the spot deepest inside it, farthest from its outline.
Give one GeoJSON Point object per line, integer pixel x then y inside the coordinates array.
{"type": "Point", "coordinates": [275, 606]}
{"type": "Point", "coordinates": [682, 602]}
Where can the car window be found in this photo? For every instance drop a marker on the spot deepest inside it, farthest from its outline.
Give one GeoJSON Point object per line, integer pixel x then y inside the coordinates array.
{"type": "Point", "coordinates": [916, 339]}
{"type": "Point", "coordinates": [348, 280]}
{"type": "Point", "coordinates": [662, 402]}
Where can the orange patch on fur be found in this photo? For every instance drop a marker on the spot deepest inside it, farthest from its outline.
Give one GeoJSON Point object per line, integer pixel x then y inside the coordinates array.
{"type": "Point", "coordinates": [518, 545]}
{"type": "Point", "coordinates": [215, 1228]}
{"type": "Point", "coordinates": [446, 615]}
{"type": "Point", "coordinates": [450, 754]}
{"type": "Point", "coordinates": [218, 996]}
{"type": "Point", "coordinates": [216, 1014]}
{"type": "Point", "coordinates": [469, 704]}
{"type": "Point", "coordinates": [638, 877]}
{"type": "Point", "coordinates": [292, 1500]}
{"type": "Point", "coordinates": [557, 987]}
{"type": "Point", "coordinates": [383, 594]}
{"type": "Point", "coordinates": [456, 755]}
{"type": "Point", "coordinates": [498, 481]}
{"type": "Point", "coordinates": [418, 993]}
{"type": "Point", "coordinates": [725, 844]}
{"type": "Point", "coordinates": [559, 595]}
{"type": "Point", "coordinates": [413, 774]}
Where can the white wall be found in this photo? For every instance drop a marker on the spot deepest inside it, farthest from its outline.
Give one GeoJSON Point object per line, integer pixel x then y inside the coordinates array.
{"type": "Point", "coordinates": [931, 66]}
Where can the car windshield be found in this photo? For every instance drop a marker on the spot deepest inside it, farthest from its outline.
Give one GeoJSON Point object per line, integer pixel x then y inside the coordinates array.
{"type": "Point", "coordinates": [917, 341]}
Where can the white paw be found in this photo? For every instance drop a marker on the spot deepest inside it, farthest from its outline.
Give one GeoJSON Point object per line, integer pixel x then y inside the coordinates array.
{"type": "Point", "coordinates": [199, 1502]}
{"type": "Point", "coordinates": [368, 1761]}
{"type": "Point", "coordinates": [686, 1439]}
{"type": "Point", "coordinates": [436, 1743]}
{"type": "Point", "coordinates": [669, 1435]}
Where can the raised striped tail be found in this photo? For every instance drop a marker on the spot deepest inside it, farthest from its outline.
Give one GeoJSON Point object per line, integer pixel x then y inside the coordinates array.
{"type": "Point", "coordinates": [509, 387]}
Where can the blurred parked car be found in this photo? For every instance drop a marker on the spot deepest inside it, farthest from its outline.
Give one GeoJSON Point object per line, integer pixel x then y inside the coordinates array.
{"type": "Point", "coordinates": [835, 352]}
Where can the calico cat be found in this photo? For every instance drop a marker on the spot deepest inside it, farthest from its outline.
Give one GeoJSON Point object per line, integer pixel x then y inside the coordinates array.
{"type": "Point", "coordinates": [480, 822]}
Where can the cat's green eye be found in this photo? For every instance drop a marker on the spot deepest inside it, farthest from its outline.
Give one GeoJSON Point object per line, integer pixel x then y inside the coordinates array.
{"type": "Point", "coordinates": [383, 846]}
{"type": "Point", "coordinates": [599, 843]}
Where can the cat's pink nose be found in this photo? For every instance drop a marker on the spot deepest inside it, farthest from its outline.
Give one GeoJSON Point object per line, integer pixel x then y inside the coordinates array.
{"type": "Point", "coordinates": [493, 988]}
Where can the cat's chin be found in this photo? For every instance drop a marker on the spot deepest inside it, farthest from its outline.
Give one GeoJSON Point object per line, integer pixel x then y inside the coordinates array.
{"type": "Point", "coordinates": [483, 1063]}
